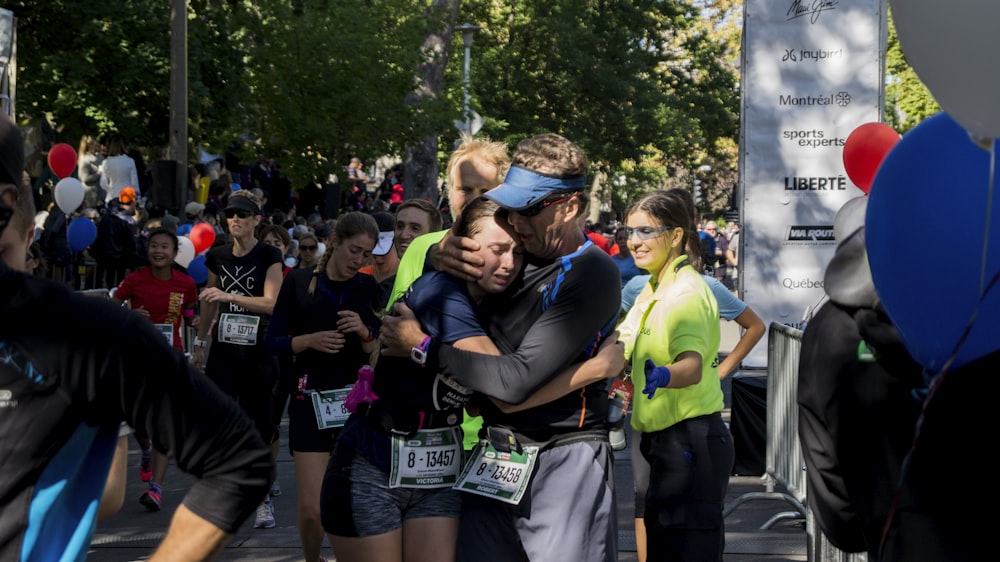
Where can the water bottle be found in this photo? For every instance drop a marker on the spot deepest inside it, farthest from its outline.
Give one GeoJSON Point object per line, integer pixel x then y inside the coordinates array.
{"type": "Point", "coordinates": [619, 398]}
{"type": "Point", "coordinates": [362, 391]}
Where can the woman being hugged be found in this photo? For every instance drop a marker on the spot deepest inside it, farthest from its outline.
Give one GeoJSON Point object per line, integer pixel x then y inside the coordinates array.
{"type": "Point", "coordinates": [244, 277]}
{"type": "Point", "coordinates": [387, 494]}
{"type": "Point", "coordinates": [325, 318]}
{"type": "Point", "coordinates": [672, 336]}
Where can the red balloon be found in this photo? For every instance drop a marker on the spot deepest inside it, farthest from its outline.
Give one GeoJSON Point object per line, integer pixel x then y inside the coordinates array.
{"type": "Point", "coordinates": [864, 150]}
{"type": "Point", "coordinates": [62, 160]}
{"type": "Point", "coordinates": [202, 236]}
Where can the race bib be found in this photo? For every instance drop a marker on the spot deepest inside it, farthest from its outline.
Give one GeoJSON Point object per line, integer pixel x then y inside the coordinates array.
{"type": "Point", "coordinates": [239, 329]}
{"type": "Point", "coordinates": [167, 330]}
{"type": "Point", "coordinates": [498, 475]}
{"type": "Point", "coordinates": [329, 407]}
{"type": "Point", "coordinates": [430, 459]}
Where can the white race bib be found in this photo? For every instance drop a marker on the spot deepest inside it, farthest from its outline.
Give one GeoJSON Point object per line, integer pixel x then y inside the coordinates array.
{"type": "Point", "coordinates": [239, 329]}
{"type": "Point", "coordinates": [329, 407]}
{"type": "Point", "coordinates": [498, 475]}
{"type": "Point", "coordinates": [430, 459]}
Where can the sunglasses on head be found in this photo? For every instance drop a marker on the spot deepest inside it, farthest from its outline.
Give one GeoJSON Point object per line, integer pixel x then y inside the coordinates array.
{"type": "Point", "coordinates": [238, 213]}
{"type": "Point", "coordinates": [541, 205]}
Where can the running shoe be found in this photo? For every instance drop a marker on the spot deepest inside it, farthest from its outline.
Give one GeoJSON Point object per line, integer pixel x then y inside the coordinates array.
{"type": "Point", "coordinates": [146, 466]}
{"type": "Point", "coordinates": [151, 499]}
{"type": "Point", "coordinates": [275, 489]}
{"type": "Point", "coordinates": [265, 515]}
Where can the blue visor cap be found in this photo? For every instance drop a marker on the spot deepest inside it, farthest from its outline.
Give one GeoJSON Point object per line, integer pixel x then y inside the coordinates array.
{"type": "Point", "coordinates": [523, 188]}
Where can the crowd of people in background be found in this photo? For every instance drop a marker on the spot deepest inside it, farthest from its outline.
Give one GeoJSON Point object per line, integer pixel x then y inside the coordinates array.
{"type": "Point", "coordinates": [296, 294]}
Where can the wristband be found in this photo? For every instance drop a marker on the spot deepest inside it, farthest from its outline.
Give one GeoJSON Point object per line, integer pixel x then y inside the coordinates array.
{"type": "Point", "coordinates": [198, 342]}
{"type": "Point", "coordinates": [370, 338]}
{"type": "Point", "coordinates": [419, 352]}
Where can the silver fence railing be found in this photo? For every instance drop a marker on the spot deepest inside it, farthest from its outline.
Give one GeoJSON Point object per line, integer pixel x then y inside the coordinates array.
{"type": "Point", "coordinates": [785, 465]}
{"type": "Point", "coordinates": [783, 456]}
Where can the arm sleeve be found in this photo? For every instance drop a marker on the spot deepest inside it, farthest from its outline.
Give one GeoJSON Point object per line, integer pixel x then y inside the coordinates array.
{"type": "Point", "coordinates": [367, 314]}
{"type": "Point", "coordinates": [125, 288]}
{"type": "Point", "coordinates": [568, 331]}
{"type": "Point", "coordinates": [729, 305]}
{"type": "Point", "coordinates": [279, 338]}
{"type": "Point", "coordinates": [134, 178]}
{"type": "Point", "coordinates": [191, 293]}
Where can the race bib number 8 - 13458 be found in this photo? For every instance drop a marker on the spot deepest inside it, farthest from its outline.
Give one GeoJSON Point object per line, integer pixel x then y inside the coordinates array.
{"type": "Point", "coordinates": [498, 475]}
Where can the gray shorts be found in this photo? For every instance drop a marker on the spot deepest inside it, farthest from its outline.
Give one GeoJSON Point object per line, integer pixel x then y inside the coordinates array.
{"type": "Point", "coordinates": [357, 501]}
{"type": "Point", "coordinates": [568, 513]}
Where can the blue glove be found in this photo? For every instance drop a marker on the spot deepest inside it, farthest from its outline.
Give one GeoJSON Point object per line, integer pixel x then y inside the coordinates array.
{"type": "Point", "coordinates": [656, 377]}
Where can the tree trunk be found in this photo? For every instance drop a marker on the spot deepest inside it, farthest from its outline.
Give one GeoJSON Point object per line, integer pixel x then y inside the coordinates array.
{"type": "Point", "coordinates": [420, 167]}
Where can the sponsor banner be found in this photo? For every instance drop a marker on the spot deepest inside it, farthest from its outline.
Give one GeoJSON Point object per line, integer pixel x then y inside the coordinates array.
{"type": "Point", "coordinates": [812, 73]}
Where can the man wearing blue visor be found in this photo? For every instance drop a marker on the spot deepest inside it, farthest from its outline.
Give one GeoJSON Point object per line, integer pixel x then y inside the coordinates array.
{"type": "Point", "coordinates": [540, 484]}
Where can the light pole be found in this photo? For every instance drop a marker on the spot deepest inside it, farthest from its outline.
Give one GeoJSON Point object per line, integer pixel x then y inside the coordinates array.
{"type": "Point", "coordinates": [468, 30]}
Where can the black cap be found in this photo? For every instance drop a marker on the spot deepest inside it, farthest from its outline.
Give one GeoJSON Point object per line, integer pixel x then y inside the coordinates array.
{"type": "Point", "coordinates": [11, 152]}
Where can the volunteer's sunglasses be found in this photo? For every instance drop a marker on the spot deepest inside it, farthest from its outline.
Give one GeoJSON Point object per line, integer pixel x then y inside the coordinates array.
{"type": "Point", "coordinates": [647, 232]}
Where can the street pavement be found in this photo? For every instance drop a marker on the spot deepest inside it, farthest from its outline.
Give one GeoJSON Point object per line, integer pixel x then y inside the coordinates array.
{"type": "Point", "coordinates": [133, 533]}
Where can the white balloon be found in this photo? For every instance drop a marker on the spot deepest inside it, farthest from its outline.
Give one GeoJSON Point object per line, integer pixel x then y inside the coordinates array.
{"type": "Point", "coordinates": [320, 248]}
{"type": "Point", "coordinates": [951, 46]}
{"type": "Point", "coordinates": [185, 251]}
{"type": "Point", "coordinates": [69, 194]}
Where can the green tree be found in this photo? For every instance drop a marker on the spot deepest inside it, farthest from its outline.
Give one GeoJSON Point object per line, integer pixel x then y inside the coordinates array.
{"type": "Point", "coordinates": [102, 67]}
{"type": "Point", "coordinates": [328, 81]}
{"type": "Point", "coordinates": [907, 100]}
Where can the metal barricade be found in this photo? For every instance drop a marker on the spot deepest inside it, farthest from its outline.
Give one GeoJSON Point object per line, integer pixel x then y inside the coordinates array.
{"type": "Point", "coordinates": [99, 293]}
{"type": "Point", "coordinates": [783, 455]}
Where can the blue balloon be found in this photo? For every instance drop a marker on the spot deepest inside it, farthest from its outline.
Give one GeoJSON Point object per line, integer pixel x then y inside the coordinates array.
{"type": "Point", "coordinates": [235, 187]}
{"type": "Point", "coordinates": [198, 270]}
{"type": "Point", "coordinates": [932, 244]}
{"type": "Point", "coordinates": [81, 233]}
{"type": "Point", "coordinates": [184, 229]}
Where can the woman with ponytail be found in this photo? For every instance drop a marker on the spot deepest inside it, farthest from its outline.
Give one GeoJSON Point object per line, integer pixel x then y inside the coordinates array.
{"type": "Point", "coordinates": [325, 318]}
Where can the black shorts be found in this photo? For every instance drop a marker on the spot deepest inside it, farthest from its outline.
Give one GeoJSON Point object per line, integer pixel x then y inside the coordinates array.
{"type": "Point", "coordinates": [303, 433]}
{"type": "Point", "coordinates": [248, 376]}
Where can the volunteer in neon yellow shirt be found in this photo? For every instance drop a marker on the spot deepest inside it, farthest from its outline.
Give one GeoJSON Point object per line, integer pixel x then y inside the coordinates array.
{"type": "Point", "coordinates": [671, 335]}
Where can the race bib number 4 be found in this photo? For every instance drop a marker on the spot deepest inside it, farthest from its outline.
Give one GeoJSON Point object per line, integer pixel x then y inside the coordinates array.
{"type": "Point", "coordinates": [498, 475]}
{"type": "Point", "coordinates": [430, 459]}
{"type": "Point", "coordinates": [329, 407]}
{"type": "Point", "coordinates": [239, 329]}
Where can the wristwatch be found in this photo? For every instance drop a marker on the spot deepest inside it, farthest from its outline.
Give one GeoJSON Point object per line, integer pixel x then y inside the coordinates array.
{"type": "Point", "coordinates": [198, 342]}
{"type": "Point", "coordinates": [419, 352]}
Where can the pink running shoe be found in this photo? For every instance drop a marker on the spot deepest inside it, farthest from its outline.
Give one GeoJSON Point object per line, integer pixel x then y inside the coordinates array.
{"type": "Point", "coordinates": [151, 500]}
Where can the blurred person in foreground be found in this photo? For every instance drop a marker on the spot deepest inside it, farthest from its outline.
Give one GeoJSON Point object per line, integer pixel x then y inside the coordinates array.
{"type": "Point", "coordinates": [65, 389]}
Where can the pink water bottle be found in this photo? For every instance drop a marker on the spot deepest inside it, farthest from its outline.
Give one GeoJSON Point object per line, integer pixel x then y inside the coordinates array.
{"type": "Point", "coordinates": [362, 392]}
